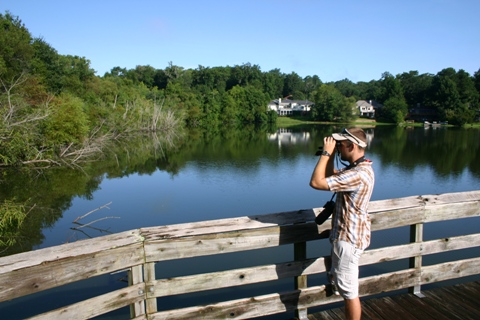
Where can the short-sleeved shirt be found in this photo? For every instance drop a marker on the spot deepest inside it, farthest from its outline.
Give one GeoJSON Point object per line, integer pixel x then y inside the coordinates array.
{"type": "Point", "coordinates": [350, 221]}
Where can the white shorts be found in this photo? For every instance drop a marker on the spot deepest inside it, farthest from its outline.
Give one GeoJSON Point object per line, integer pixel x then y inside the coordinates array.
{"type": "Point", "coordinates": [344, 270]}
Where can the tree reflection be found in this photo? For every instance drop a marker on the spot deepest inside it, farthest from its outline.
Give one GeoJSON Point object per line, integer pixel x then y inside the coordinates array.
{"type": "Point", "coordinates": [48, 193]}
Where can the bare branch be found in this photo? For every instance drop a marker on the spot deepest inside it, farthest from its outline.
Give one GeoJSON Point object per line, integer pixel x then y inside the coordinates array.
{"type": "Point", "coordinates": [97, 209]}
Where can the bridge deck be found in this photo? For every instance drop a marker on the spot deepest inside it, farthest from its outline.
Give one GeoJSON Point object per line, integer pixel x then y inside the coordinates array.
{"type": "Point", "coordinates": [461, 301]}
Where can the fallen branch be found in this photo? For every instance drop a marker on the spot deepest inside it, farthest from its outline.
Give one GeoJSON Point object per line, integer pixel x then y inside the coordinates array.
{"type": "Point", "coordinates": [82, 225]}
{"type": "Point", "coordinates": [88, 213]}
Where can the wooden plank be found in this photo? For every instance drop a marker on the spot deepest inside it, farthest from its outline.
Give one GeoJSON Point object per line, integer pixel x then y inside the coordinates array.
{"type": "Point", "coordinates": [149, 270]}
{"type": "Point", "coordinates": [235, 277]}
{"type": "Point", "coordinates": [68, 250]}
{"type": "Point", "coordinates": [192, 246]}
{"type": "Point", "coordinates": [409, 306]}
{"type": "Point", "coordinates": [416, 236]}
{"type": "Point", "coordinates": [425, 248]}
{"type": "Point", "coordinates": [48, 271]}
{"type": "Point", "coordinates": [395, 204]}
{"type": "Point", "coordinates": [135, 277]}
{"type": "Point", "coordinates": [418, 307]}
{"type": "Point", "coordinates": [257, 274]}
{"type": "Point", "coordinates": [277, 303]}
{"type": "Point", "coordinates": [463, 293]}
{"type": "Point", "coordinates": [458, 302]}
{"type": "Point", "coordinates": [396, 218]}
{"type": "Point", "coordinates": [388, 281]}
{"type": "Point", "coordinates": [452, 197]}
{"type": "Point", "coordinates": [300, 254]}
{"type": "Point", "coordinates": [96, 306]}
{"type": "Point", "coordinates": [387, 308]}
{"type": "Point", "coordinates": [450, 270]}
{"type": "Point", "coordinates": [229, 224]}
{"type": "Point", "coordinates": [248, 308]}
{"type": "Point", "coordinates": [369, 313]}
{"type": "Point", "coordinates": [444, 212]}
{"type": "Point", "coordinates": [450, 305]}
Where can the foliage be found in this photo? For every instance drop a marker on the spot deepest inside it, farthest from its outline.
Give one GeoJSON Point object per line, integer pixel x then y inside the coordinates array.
{"type": "Point", "coordinates": [49, 101]}
{"type": "Point", "coordinates": [332, 105]}
{"type": "Point", "coordinates": [12, 216]}
{"type": "Point", "coordinates": [68, 122]}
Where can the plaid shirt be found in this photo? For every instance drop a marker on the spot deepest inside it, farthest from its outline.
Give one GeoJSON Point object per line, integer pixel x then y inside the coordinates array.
{"type": "Point", "coordinates": [350, 221]}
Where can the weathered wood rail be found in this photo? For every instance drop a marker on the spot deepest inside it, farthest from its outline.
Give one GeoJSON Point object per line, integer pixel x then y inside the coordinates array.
{"type": "Point", "coordinates": [139, 251]}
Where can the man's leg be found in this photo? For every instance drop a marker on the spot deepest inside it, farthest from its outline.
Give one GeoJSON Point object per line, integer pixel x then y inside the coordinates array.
{"type": "Point", "coordinates": [353, 309]}
{"type": "Point", "coordinates": [345, 258]}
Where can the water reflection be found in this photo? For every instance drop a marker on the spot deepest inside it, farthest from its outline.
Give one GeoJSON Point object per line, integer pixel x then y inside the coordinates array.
{"type": "Point", "coordinates": [212, 175]}
{"type": "Point", "coordinates": [229, 173]}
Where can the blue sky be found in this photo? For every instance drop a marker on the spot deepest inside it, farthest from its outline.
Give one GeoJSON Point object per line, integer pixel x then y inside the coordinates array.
{"type": "Point", "coordinates": [333, 39]}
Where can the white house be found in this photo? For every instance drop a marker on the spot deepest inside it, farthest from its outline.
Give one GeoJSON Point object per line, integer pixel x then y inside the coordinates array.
{"type": "Point", "coordinates": [285, 107]}
{"type": "Point", "coordinates": [366, 109]}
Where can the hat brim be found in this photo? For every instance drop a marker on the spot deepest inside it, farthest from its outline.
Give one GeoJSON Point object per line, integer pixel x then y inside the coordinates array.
{"type": "Point", "coordinates": [345, 136]}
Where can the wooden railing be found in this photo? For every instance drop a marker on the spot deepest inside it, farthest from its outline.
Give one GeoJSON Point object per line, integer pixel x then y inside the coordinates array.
{"type": "Point", "coordinates": [139, 251]}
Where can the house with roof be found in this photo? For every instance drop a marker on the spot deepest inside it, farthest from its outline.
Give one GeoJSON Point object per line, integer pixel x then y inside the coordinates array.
{"type": "Point", "coordinates": [285, 107]}
{"type": "Point", "coordinates": [367, 108]}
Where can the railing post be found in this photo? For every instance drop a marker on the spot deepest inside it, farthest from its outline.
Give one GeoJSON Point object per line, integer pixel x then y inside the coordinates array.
{"type": "Point", "coordinates": [135, 276]}
{"type": "Point", "coordinates": [299, 254]}
{"type": "Point", "coordinates": [149, 278]}
{"type": "Point", "coordinates": [416, 236]}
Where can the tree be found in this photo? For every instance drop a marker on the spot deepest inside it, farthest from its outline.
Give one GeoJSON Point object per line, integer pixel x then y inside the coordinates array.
{"type": "Point", "coordinates": [448, 102]}
{"type": "Point", "coordinates": [394, 110]}
{"type": "Point", "coordinates": [415, 87]}
{"type": "Point", "coordinates": [46, 65]}
{"type": "Point", "coordinates": [311, 84]}
{"type": "Point", "coordinates": [273, 83]}
{"type": "Point", "coordinates": [251, 104]}
{"type": "Point", "coordinates": [68, 122]}
{"type": "Point", "coordinates": [331, 105]}
{"type": "Point", "coordinates": [16, 53]}
{"type": "Point", "coordinates": [347, 88]}
{"type": "Point", "coordinates": [369, 90]}
{"type": "Point", "coordinates": [394, 106]}
{"type": "Point", "coordinates": [294, 86]}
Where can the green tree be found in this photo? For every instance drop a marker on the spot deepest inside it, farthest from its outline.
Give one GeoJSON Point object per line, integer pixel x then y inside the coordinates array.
{"type": "Point", "coordinates": [448, 102]}
{"type": "Point", "coordinates": [294, 86]}
{"type": "Point", "coordinates": [312, 83]}
{"type": "Point", "coordinates": [251, 104]}
{"type": "Point", "coordinates": [331, 105]}
{"type": "Point", "coordinates": [273, 83]}
{"type": "Point", "coordinates": [415, 87]}
{"type": "Point", "coordinates": [347, 88]}
{"type": "Point", "coordinates": [47, 66]}
{"type": "Point", "coordinates": [16, 53]}
{"type": "Point", "coordinates": [394, 110]}
{"type": "Point", "coordinates": [68, 122]}
{"type": "Point", "coordinates": [394, 106]}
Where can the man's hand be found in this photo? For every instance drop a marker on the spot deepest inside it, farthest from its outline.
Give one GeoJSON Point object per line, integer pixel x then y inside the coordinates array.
{"type": "Point", "coordinates": [329, 144]}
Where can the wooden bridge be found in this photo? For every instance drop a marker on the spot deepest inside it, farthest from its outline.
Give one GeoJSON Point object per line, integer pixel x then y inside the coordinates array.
{"type": "Point", "coordinates": [140, 250]}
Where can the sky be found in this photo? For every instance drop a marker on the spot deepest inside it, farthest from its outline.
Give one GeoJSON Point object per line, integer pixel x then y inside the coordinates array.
{"type": "Point", "coordinates": [357, 40]}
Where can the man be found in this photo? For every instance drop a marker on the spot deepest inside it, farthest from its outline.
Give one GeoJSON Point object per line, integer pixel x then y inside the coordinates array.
{"type": "Point", "coordinates": [350, 233]}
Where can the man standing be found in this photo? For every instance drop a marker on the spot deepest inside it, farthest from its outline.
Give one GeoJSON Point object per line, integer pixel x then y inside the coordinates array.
{"type": "Point", "coordinates": [350, 234]}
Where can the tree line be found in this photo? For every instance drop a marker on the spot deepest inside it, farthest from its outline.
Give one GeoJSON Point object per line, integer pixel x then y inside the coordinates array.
{"type": "Point", "coordinates": [54, 107]}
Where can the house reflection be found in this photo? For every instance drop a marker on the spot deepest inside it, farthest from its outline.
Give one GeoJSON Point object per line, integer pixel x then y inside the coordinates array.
{"type": "Point", "coordinates": [285, 136]}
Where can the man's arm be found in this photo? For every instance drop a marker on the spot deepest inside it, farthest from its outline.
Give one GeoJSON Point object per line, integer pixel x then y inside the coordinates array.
{"type": "Point", "coordinates": [324, 167]}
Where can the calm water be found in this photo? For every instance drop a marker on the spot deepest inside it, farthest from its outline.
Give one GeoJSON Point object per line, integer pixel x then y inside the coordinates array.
{"type": "Point", "coordinates": [228, 174]}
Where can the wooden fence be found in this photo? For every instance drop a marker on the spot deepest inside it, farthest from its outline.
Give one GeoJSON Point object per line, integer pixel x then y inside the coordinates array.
{"type": "Point", "coordinates": [139, 251]}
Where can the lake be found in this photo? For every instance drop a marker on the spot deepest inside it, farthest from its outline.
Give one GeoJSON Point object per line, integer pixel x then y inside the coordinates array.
{"type": "Point", "coordinates": [213, 175]}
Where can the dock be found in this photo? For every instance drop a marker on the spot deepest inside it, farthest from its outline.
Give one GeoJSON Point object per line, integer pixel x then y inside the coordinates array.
{"type": "Point", "coordinates": [141, 253]}
{"type": "Point", "coordinates": [461, 301]}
